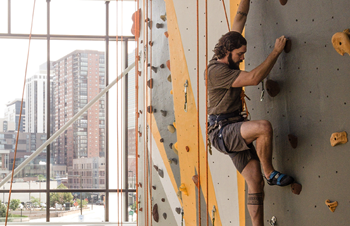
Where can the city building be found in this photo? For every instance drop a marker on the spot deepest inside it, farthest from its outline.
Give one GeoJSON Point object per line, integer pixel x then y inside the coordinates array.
{"type": "Point", "coordinates": [12, 113]}
{"type": "Point", "coordinates": [6, 126]}
{"type": "Point", "coordinates": [78, 78]}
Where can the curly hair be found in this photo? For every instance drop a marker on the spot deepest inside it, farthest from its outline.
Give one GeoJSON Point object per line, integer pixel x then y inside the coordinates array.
{"type": "Point", "coordinates": [228, 42]}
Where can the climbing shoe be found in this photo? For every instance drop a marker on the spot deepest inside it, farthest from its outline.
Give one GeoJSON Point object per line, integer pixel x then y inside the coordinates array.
{"type": "Point", "coordinates": [277, 178]}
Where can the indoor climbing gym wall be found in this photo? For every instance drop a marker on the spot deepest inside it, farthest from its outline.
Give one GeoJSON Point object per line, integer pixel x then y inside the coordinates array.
{"type": "Point", "coordinates": [175, 184]}
{"type": "Point", "coordinates": [306, 98]}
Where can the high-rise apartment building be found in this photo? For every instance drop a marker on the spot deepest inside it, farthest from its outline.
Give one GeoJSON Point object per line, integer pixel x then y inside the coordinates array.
{"type": "Point", "coordinates": [36, 101]}
{"type": "Point", "coordinates": [78, 78]}
{"type": "Point", "coordinates": [12, 113]}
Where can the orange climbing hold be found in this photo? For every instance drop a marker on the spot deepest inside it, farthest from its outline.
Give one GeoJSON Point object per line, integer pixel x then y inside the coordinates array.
{"type": "Point", "coordinates": [339, 138]}
{"type": "Point", "coordinates": [135, 29]}
{"type": "Point", "coordinates": [341, 42]}
{"type": "Point", "coordinates": [195, 179]}
{"type": "Point", "coordinates": [168, 65]}
{"type": "Point", "coordinates": [296, 188]}
{"type": "Point", "coordinates": [331, 205]}
{"type": "Point", "coordinates": [166, 34]}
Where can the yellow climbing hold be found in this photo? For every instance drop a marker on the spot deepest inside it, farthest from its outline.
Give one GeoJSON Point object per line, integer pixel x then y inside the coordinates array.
{"type": "Point", "coordinates": [174, 124]}
{"type": "Point", "coordinates": [331, 205]}
{"type": "Point", "coordinates": [183, 189]}
{"type": "Point", "coordinates": [171, 92]}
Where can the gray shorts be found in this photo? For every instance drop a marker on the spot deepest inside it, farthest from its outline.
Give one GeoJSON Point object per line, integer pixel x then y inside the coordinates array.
{"type": "Point", "coordinates": [236, 147]}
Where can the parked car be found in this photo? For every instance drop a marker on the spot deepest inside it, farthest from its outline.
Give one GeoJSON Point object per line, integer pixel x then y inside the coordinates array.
{"type": "Point", "coordinates": [99, 202]}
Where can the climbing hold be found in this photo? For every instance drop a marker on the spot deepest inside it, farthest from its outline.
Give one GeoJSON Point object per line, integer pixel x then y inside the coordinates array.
{"type": "Point", "coordinates": [169, 78]}
{"type": "Point", "coordinates": [174, 147]}
{"type": "Point", "coordinates": [159, 25]}
{"type": "Point", "coordinates": [171, 128]}
{"type": "Point", "coordinates": [161, 140]}
{"type": "Point", "coordinates": [150, 43]}
{"type": "Point", "coordinates": [174, 124]}
{"type": "Point", "coordinates": [173, 160]}
{"type": "Point", "coordinates": [140, 185]}
{"type": "Point", "coordinates": [163, 199]}
{"type": "Point", "coordinates": [296, 188]}
{"type": "Point", "coordinates": [341, 42]}
{"type": "Point", "coordinates": [178, 210]}
{"type": "Point", "coordinates": [164, 216]}
{"type": "Point", "coordinates": [283, 2]}
{"type": "Point", "coordinates": [150, 109]}
{"type": "Point", "coordinates": [163, 112]}
{"type": "Point", "coordinates": [187, 148]}
{"type": "Point", "coordinates": [154, 69]}
{"type": "Point", "coordinates": [195, 179]}
{"type": "Point", "coordinates": [163, 17]}
{"type": "Point", "coordinates": [331, 205]}
{"type": "Point", "coordinates": [166, 34]}
{"type": "Point", "coordinates": [168, 64]}
{"type": "Point", "coordinates": [162, 66]}
{"type": "Point", "coordinates": [272, 88]}
{"type": "Point", "coordinates": [156, 167]}
{"type": "Point", "coordinates": [293, 140]}
{"type": "Point", "coordinates": [183, 189]}
{"type": "Point", "coordinates": [288, 46]}
{"type": "Point", "coordinates": [339, 138]}
{"type": "Point", "coordinates": [137, 57]}
{"type": "Point", "coordinates": [171, 92]}
{"type": "Point", "coordinates": [154, 187]}
{"type": "Point", "coordinates": [140, 209]}
{"type": "Point", "coordinates": [171, 145]}
{"type": "Point", "coordinates": [135, 29]}
{"type": "Point", "coordinates": [155, 213]}
{"type": "Point", "coordinates": [161, 173]}
{"type": "Point", "coordinates": [139, 73]}
{"type": "Point", "coordinates": [150, 83]}
{"type": "Point", "coordinates": [179, 194]}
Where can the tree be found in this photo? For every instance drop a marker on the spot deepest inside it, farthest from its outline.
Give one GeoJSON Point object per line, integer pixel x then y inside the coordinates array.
{"type": "Point", "coordinates": [85, 202]}
{"type": "Point", "coordinates": [35, 201]}
{"type": "Point", "coordinates": [14, 204]}
{"type": "Point", "coordinates": [3, 209]}
{"type": "Point", "coordinates": [61, 197]}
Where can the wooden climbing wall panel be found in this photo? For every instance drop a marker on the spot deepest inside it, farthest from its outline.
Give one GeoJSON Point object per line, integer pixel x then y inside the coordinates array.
{"type": "Point", "coordinates": [312, 104]}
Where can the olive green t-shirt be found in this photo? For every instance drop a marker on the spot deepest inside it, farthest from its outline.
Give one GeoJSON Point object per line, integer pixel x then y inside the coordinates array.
{"type": "Point", "coordinates": [222, 97]}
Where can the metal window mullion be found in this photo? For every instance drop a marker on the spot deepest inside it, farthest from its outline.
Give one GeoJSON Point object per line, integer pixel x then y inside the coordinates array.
{"type": "Point", "coordinates": [126, 132]}
{"type": "Point", "coordinates": [48, 113]}
{"type": "Point", "coordinates": [107, 116]}
{"type": "Point", "coordinates": [9, 17]}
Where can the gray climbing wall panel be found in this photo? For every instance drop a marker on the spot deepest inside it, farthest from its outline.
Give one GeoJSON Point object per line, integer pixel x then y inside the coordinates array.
{"type": "Point", "coordinates": [313, 103]}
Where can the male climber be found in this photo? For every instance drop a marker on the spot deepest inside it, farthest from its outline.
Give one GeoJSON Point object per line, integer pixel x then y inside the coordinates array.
{"type": "Point", "coordinates": [229, 131]}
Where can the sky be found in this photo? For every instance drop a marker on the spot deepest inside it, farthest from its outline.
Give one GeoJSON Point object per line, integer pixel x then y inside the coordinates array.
{"type": "Point", "coordinates": [71, 17]}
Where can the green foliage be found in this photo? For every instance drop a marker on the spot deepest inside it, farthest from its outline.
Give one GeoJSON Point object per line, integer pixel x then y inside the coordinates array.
{"type": "Point", "coordinates": [35, 201]}
{"type": "Point", "coordinates": [85, 202]}
{"type": "Point", "coordinates": [60, 197]}
{"type": "Point", "coordinates": [14, 204]}
{"type": "Point", "coordinates": [133, 207]}
{"type": "Point", "coordinates": [3, 209]}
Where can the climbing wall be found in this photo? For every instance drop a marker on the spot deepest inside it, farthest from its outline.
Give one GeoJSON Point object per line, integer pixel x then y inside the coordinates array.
{"type": "Point", "coordinates": [169, 138]}
{"type": "Point", "coordinates": [313, 103]}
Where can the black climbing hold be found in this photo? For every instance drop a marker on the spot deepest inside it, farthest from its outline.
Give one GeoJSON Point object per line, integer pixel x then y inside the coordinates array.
{"type": "Point", "coordinates": [150, 83]}
{"type": "Point", "coordinates": [155, 167]}
{"type": "Point", "coordinates": [159, 25]}
{"type": "Point", "coordinates": [161, 173]}
{"type": "Point", "coordinates": [164, 216]}
{"type": "Point", "coordinates": [161, 140]}
{"type": "Point", "coordinates": [178, 210]}
{"type": "Point", "coordinates": [171, 145]}
{"type": "Point", "coordinates": [293, 140]}
{"type": "Point", "coordinates": [154, 187]}
{"type": "Point", "coordinates": [272, 88]}
{"type": "Point", "coordinates": [150, 109]}
{"type": "Point", "coordinates": [154, 69]}
{"type": "Point", "coordinates": [163, 112]}
{"type": "Point", "coordinates": [169, 78]}
{"type": "Point", "coordinates": [155, 213]}
{"type": "Point", "coordinates": [163, 199]}
{"type": "Point", "coordinates": [162, 66]}
{"type": "Point", "coordinates": [288, 46]}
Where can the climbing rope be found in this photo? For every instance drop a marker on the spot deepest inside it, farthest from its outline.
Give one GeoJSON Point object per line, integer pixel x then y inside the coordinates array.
{"type": "Point", "coordinates": [137, 57]}
{"type": "Point", "coordinates": [198, 161]}
{"type": "Point", "coordinates": [206, 108]}
{"type": "Point", "coordinates": [20, 116]}
{"type": "Point", "coordinates": [228, 25]}
{"type": "Point", "coordinates": [150, 116]}
{"type": "Point", "coordinates": [244, 104]}
{"type": "Point", "coordinates": [117, 111]}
